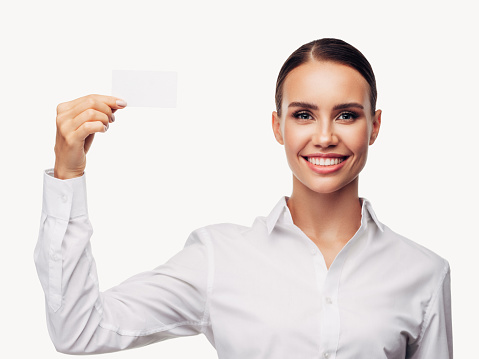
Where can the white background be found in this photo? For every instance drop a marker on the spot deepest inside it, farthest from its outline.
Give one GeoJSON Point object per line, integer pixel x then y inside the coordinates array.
{"type": "Point", "coordinates": [158, 174]}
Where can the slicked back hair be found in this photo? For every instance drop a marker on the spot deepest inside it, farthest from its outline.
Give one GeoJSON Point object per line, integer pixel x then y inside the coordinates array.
{"type": "Point", "coordinates": [327, 49]}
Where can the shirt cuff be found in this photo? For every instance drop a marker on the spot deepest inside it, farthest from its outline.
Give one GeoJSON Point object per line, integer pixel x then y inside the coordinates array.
{"type": "Point", "coordinates": [64, 199]}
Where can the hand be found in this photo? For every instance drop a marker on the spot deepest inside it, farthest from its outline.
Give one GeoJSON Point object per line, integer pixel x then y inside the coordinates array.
{"type": "Point", "coordinates": [77, 123]}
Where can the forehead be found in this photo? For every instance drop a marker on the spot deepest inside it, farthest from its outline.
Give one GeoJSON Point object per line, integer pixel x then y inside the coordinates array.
{"type": "Point", "coordinates": [325, 83]}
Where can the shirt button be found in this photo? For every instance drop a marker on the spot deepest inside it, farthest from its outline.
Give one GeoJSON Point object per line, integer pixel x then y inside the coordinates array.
{"type": "Point", "coordinates": [326, 355]}
{"type": "Point", "coordinates": [64, 198]}
{"type": "Point", "coordinates": [314, 251]}
{"type": "Point", "coordinates": [329, 300]}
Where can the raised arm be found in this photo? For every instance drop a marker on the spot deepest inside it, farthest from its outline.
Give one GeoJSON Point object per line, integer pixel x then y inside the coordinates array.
{"type": "Point", "coordinates": [166, 302]}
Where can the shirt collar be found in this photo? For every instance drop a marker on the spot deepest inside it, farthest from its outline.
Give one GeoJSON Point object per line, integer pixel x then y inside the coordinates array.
{"type": "Point", "coordinates": [281, 210]}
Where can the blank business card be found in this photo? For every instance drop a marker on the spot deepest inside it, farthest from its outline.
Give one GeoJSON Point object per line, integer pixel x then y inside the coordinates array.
{"type": "Point", "coordinates": [145, 88]}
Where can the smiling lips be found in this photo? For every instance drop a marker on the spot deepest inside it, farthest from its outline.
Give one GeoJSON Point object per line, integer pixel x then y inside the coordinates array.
{"type": "Point", "coordinates": [321, 161]}
{"type": "Point", "coordinates": [325, 163]}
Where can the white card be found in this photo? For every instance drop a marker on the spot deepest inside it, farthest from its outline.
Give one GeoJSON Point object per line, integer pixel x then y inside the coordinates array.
{"type": "Point", "coordinates": [145, 88]}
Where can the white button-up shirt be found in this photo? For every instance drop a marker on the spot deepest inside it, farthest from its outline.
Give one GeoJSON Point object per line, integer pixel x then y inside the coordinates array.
{"type": "Point", "coordinates": [255, 292]}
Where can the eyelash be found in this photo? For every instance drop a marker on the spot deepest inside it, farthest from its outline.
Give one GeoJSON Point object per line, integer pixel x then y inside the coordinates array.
{"type": "Point", "coordinates": [298, 115]}
{"type": "Point", "coordinates": [352, 116]}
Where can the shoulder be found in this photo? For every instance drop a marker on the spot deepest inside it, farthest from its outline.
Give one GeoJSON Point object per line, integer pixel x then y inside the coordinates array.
{"type": "Point", "coordinates": [401, 255]}
{"type": "Point", "coordinates": [218, 232]}
{"type": "Point", "coordinates": [230, 233]}
{"type": "Point", "coordinates": [220, 229]}
{"type": "Point", "coordinates": [412, 257]}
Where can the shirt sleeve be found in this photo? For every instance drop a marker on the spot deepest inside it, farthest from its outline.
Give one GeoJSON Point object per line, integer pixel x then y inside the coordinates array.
{"type": "Point", "coordinates": [163, 303]}
{"type": "Point", "coordinates": [436, 334]}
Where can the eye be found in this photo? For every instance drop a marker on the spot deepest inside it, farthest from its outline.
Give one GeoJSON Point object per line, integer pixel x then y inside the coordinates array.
{"type": "Point", "coordinates": [347, 116]}
{"type": "Point", "coordinates": [302, 115]}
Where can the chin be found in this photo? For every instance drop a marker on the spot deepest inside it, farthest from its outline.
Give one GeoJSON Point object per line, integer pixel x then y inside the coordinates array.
{"type": "Point", "coordinates": [325, 189]}
{"type": "Point", "coordinates": [327, 185]}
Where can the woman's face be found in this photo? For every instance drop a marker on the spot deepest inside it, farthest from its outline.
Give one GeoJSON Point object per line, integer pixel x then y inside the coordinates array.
{"type": "Point", "coordinates": [326, 124]}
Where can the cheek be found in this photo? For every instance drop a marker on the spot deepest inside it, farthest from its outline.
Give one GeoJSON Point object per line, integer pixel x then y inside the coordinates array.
{"type": "Point", "coordinates": [295, 137]}
{"type": "Point", "coordinates": [357, 139]}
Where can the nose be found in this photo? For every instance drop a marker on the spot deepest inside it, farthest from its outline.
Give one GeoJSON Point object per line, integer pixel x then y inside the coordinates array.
{"type": "Point", "coordinates": [324, 135]}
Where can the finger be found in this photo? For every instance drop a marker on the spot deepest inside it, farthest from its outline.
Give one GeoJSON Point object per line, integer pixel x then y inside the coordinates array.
{"type": "Point", "coordinates": [88, 128]}
{"type": "Point", "coordinates": [88, 104]}
{"type": "Point", "coordinates": [111, 101]}
{"type": "Point", "coordinates": [89, 115]}
{"type": "Point", "coordinates": [66, 120]}
{"type": "Point", "coordinates": [112, 118]}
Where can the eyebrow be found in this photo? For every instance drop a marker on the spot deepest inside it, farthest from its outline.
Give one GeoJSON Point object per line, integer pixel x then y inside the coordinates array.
{"type": "Point", "coordinates": [307, 105]}
{"type": "Point", "coordinates": [344, 106]}
{"type": "Point", "coordinates": [313, 107]}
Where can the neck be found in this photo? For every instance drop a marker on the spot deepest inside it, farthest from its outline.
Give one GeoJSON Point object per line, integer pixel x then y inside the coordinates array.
{"type": "Point", "coordinates": [326, 217]}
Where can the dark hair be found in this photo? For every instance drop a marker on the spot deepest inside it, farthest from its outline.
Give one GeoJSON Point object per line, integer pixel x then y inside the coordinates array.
{"type": "Point", "coordinates": [333, 50]}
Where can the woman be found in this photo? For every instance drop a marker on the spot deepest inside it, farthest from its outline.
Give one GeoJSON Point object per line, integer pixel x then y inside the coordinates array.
{"type": "Point", "coordinates": [319, 277]}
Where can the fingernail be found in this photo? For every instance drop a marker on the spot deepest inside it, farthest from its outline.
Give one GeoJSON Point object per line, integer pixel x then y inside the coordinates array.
{"type": "Point", "coordinates": [106, 127]}
{"type": "Point", "coordinates": [112, 118]}
{"type": "Point", "coordinates": [121, 103]}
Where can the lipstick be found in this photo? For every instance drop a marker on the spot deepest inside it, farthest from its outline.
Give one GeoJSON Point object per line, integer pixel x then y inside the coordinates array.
{"type": "Point", "coordinates": [325, 163]}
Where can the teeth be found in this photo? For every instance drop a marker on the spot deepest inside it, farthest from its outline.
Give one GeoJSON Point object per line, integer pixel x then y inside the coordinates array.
{"type": "Point", "coordinates": [321, 161]}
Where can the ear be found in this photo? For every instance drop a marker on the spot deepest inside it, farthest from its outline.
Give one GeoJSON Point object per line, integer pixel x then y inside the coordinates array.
{"type": "Point", "coordinates": [277, 128]}
{"type": "Point", "coordinates": [376, 126]}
